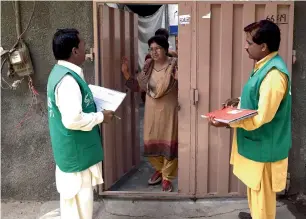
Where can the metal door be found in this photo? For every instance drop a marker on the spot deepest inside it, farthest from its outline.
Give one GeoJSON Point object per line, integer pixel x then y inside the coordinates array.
{"type": "Point", "coordinates": [116, 35]}
{"type": "Point", "coordinates": [186, 86]}
{"type": "Point", "coordinates": [222, 68]}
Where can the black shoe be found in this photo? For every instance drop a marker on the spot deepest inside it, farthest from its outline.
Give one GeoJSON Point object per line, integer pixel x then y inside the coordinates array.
{"type": "Point", "coordinates": [244, 215]}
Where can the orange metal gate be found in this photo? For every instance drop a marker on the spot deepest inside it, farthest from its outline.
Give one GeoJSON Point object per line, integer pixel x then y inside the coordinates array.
{"type": "Point", "coordinates": [213, 66]}
{"type": "Point", "coordinates": [116, 33]}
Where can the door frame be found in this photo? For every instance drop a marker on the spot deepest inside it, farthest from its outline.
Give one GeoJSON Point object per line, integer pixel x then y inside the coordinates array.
{"type": "Point", "coordinates": [188, 166]}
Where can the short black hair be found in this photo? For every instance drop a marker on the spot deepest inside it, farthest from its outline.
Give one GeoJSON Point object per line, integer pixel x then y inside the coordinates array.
{"type": "Point", "coordinates": [265, 32]}
{"type": "Point", "coordinates": [64, 40]}
{"type": "Point", "coordinates": [160, 40]}
{"type": "Point", "coordinates": [162, 31]}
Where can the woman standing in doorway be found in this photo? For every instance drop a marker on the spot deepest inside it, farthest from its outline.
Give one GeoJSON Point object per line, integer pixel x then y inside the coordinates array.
{"type": "Point", "coordinates": [163, 32]}
{"type": "Point", "coordinates": [160, 32]}
{"type": "Point", "coordinates": [159, 80]}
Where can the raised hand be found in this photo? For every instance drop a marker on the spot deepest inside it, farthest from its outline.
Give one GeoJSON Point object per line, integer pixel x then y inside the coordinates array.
{"type": "Point", "coordinates": [125, 67]}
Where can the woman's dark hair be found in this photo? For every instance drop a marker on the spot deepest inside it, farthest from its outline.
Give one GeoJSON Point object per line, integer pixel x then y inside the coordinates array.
{"type": "Point", "coordinates": [64, 40]}
{"type": "Point", "coordinates": [163, 32]}
{"type": "Point", "coordinates": [159, 40]}
{"type": "Point", "coordinates": [265, 32]}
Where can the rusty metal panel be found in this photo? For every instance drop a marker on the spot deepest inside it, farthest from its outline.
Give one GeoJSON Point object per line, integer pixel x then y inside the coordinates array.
{"type": "Point", "coordinates": [222, 68]}
{"type": "Point", "coordinates": [118, 86]}
{"type": "Point", "coordinates": [135, 96]}
{"type": "Point", "coordinates": [186, 171]}
{"type": "Point", "coordinates": [116, 38]}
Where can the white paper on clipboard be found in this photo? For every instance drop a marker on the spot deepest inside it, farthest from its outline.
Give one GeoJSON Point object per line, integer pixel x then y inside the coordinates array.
{"type": "Point", "coordinates": [106, 99]}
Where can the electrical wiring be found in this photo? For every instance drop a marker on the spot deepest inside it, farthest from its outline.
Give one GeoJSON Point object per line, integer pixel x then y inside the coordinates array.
{"type": "Point", "coordinates": [27, 27]}
{"type": "Point", "coordinates": [5, 56]}
{"type": "Point", "coordinates": [9, 86]}
{"type": "Point", "coordinates": [34, 101]}
{"type": "Point", "coordinates": [19, 38]}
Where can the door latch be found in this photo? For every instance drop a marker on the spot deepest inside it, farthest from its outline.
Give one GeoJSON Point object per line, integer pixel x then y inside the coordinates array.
{"type": "Point", "coordinates": [90, 55]}
{"type": "Point", "coordinates": [293, 56]}
{"type": "Point", "coordinates": [195, 96]}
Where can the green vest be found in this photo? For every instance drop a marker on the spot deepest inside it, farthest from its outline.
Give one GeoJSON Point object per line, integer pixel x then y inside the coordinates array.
{"type": "Point", "coordinates": [272, 141]}
{"type": "Point", "coordinates": [73, 150]}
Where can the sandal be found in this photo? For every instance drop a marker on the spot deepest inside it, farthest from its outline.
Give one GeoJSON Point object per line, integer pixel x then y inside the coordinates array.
{"type": "Point", "coordinates": [155, 179]}
{"type": "Point", "coordinates": [167, 186]}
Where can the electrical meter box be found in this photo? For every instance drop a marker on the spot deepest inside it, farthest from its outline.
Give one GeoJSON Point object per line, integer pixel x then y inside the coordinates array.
{"type": "Point", "coordinates": [21, 61]}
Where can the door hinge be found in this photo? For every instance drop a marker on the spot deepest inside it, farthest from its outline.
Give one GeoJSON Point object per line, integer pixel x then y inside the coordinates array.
{"type": "Point", "coordinates": [293, 56]}
{"type": "Point", "coordinates": [90, 55]}
{"type": "Point", "coordinates": [194, 96]}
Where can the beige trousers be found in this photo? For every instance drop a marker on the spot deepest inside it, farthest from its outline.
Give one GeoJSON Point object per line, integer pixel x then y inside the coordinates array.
{"type": "Point", "coordinates": [168, 168]}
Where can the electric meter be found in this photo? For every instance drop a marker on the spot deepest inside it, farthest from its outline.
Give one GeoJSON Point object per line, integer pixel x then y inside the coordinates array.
{"type": "Point", "coordinates": [21, 61]}
{"type": "Point", "coordinates": [15, 58]}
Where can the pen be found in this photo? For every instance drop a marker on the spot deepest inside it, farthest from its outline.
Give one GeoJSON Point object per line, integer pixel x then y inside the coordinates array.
{"type": "Point", "coordinates": [117, 117]}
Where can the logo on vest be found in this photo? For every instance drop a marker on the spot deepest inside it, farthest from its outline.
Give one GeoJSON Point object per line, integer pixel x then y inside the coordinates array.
{"type": "Point", "coordinates": [51, 113]}
{"type": "Point", "coordinates": [88, 100]}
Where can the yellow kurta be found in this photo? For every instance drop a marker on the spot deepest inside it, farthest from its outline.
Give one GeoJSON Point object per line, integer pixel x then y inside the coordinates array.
{"type": "Point", "coordinates": [255, 174]}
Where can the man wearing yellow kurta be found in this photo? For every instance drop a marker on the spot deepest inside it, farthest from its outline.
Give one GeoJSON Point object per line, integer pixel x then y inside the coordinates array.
{"type": "Point", "coordinates": [74, 131]}
{"type": "Point", "coordinates": [261, 144]}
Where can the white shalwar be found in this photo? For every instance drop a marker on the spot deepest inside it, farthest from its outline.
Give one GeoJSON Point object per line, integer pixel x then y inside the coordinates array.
{"type": "Point", "coordinates": [76, 189]}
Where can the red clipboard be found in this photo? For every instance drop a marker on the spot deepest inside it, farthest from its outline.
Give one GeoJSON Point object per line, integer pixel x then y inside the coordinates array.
{"type": "Point", "coordinates": [229, 115]}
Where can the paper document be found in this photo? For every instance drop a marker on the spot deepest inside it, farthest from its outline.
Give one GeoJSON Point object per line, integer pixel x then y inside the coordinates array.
{"type": "Point", "coordinates": [106, 99]}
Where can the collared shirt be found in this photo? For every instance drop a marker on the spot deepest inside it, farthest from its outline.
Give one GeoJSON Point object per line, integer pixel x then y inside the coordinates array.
{"type": "Point", "coordinates": [271, 92]}
{"type": "Point", "coordinates": [68, 98]}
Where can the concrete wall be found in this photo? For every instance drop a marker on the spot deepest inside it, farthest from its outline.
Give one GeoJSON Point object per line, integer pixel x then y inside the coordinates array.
{"type": "Point", "coordinates": [27, 162]}
{"type": "Point", "coordinates": [297, 167]}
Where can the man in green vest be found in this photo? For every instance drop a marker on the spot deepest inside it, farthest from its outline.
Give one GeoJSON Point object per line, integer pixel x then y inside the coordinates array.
{"type": "Point", "coordinates": [74, 130]}
{"type": "Point", "coordinates": [261, 144]}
